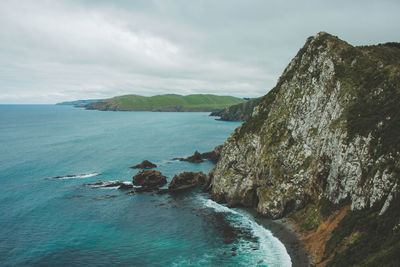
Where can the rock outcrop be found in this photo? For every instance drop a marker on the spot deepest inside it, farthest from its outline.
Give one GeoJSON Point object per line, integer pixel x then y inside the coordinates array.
{"type": "Point", "coordinates": [198, 157]}
{"type": "Point", "coordinates": [195, 158]}
{"type": "Point", "coordinates": [144, 165]}
{"type": "Point", "coordinates": [149, 180]}
{"type": "Point", "coordinates": [187, 180]}
{"type": "Point", "coordinates": [324, 140]}
{"type": "Point", "coordinates": [239, 112]}
{"type": "Point", "coordinates": [213, 155]}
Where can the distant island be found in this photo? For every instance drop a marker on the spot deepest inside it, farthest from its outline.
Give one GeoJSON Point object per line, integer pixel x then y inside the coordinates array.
{"type": "Point", "coordinates": [168, 102]}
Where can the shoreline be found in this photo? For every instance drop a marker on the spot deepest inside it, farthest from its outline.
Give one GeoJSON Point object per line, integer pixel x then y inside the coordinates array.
{"type": "Point", "coordinates": [287, 234]}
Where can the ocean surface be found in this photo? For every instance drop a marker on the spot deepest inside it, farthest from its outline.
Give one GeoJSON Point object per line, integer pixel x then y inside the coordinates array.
{"type": "Point", "coordinates": [47, 221]}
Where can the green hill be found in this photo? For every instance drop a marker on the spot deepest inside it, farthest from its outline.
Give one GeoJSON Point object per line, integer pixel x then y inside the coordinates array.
{"type": "Point", "coordinates": [169, 102]}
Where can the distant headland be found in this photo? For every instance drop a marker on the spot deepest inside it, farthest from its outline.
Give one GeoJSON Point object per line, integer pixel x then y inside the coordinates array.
{"type": "Point", "coordinates": [168, 102]}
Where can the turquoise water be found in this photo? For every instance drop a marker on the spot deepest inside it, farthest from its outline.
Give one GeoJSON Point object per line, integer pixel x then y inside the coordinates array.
{"type": "Point", "coordinates": [53, 222]}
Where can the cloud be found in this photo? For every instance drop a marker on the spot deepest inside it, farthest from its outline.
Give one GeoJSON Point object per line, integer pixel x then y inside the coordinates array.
{"type": "Point", "coordinates": [63, 50]}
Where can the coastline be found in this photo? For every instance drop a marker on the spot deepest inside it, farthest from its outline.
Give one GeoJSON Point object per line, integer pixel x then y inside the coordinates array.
{"type": "Point", "coordinates": [287, 234]}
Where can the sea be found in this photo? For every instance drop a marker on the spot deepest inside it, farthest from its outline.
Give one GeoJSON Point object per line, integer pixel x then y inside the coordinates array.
{"type": "Point", "coordinates": [50, 216]}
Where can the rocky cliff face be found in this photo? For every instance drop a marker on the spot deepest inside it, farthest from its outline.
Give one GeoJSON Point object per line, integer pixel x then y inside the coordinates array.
{"type": "Point", "coordinates": [327, 136]}
{"type": "Point", "coordinates": [239, 112]}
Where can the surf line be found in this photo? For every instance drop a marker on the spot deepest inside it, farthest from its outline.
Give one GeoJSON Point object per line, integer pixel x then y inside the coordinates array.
{"type": "Point", "coordinates": [272, 248]}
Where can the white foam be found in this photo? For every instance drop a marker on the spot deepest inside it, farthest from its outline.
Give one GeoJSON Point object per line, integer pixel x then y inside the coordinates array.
{"type": "Point", "coordinates": [271, 250]}
{"type": "Point", "coordinates": [104, 185]}
{"type": "Point", "coordinates": [78, 176]}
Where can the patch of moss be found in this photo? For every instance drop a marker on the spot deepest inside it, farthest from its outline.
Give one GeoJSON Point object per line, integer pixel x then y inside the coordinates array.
{"type": "Point", "coordinates": [309, 217]}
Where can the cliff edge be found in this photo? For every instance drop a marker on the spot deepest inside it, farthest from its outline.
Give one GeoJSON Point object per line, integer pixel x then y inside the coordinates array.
{"type": "Point", "coordinates": [322, 149]}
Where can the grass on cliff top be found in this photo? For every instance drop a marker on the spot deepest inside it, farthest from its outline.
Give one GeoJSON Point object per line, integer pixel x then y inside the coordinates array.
{"type": "Point", "coordinates": [198, 101]}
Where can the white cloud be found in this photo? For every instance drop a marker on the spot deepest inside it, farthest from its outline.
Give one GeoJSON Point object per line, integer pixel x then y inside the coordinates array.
{"type": "Point", "coordinates": [62, 50]}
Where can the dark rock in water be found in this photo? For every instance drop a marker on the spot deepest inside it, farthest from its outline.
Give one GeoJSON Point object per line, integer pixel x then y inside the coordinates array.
{"type": "Point", "coordinates": [149, 180]}
{"type": "Point", "coordinates": [130, 192]}
{"type": "Point", "coordinates": [96, 183]}
{"type": "Point", "coordinates": [162, 191]}
{"type": "Point", "coordinates": [145, 189]}
{"type": "Point", "coordinates": [124, 186]}
{"type": "Point", "coordinates": [113, 184]}
{"type": "Point", "coordinates": [144, 165]}
{"type": "Point", "coordinates": [187, 180]}
{"type": "Point", "coordinates": [119, 184]}
{"type": "Point", "coordinates": [197, 157]}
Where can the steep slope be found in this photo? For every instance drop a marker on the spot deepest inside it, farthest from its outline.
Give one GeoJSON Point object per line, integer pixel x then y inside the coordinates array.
{"type": "Point", "coordinates": [323, 148]}
{"type": "Point", "coordinates": [170, 102]}
{"type": "Point", "coordinates": [239, 112]}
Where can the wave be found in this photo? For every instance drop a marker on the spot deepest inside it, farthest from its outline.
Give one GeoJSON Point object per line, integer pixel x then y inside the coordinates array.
{"type": "Point", "coordinates": [271, 250]}
{"type": "Point", "coordinates": [76, 176]}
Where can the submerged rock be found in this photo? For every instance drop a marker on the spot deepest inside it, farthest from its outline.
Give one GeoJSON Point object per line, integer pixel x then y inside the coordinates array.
{"type": "Point", "coordinates": [149, 180]}
{"type": "Point", "coordinates": [125, 186]}
{"type": "Point", "coordinates": [144, 165]}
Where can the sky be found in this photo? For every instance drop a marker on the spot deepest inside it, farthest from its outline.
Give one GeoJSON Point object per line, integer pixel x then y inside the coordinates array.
{"type": "Point", "coordinates": [59, 50]}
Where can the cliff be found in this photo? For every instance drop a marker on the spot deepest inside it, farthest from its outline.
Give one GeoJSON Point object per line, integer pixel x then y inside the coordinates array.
{"type": "Point", "coordinates": [322, 149]}
{"type": "Point", "coordinates": [239, 112]}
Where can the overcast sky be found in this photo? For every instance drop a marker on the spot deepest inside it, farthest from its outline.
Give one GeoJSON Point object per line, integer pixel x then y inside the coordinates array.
{"type": "Point", "coordinates": [56, 50]}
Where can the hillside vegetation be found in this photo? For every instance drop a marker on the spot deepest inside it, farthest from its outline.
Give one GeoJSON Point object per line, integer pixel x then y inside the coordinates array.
{"type": "Point", "coordinates": [170, 102]}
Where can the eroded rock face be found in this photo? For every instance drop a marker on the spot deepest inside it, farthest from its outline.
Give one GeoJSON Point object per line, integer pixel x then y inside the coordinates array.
{"type": "Point", "coordinates": [149, 179]}
{"type": "Point", "coordinates": [313, 136]}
